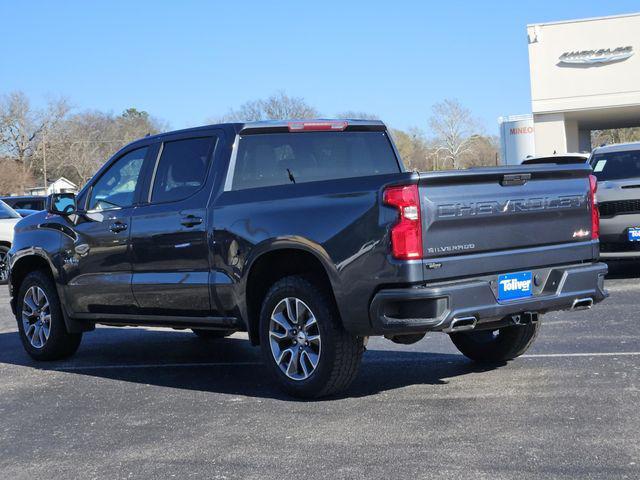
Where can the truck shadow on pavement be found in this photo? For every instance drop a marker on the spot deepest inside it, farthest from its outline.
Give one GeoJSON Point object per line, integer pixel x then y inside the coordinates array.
{"type": "Point", "coordinates": [231, 366]}
{"type": "Point", "coordinates": [622, 269]}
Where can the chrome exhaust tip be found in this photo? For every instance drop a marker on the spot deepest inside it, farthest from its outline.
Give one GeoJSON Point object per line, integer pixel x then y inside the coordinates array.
{"type": "Point", "coordinates": [582, 303]}
{"type": "Point", "coordinates": [461, 324]}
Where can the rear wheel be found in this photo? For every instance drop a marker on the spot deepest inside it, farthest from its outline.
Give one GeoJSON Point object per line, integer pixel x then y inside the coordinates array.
{"type": "Point", "coordinates": [40, 322]}
{"type": "Point", "coordinates": [303, 342]}
{"type": "Point", "coordinates": [212, 334]}
{"type": "Point", "coordinates": [493, 346]}
{"type": "Point", "coordinates": [4, 264]}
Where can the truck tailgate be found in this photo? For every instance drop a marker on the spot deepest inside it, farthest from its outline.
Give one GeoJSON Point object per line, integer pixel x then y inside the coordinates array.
{"type": "Point", "coordinates": [504, 208]}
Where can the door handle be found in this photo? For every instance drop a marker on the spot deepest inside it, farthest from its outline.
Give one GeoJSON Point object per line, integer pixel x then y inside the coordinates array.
{"type": "Point", "coordinates": [191, 221]}
{"type": "Point", "coordinates": [118, 226]}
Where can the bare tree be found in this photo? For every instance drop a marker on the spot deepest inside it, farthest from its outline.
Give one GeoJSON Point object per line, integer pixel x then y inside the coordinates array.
{"type": "Point", "coordinates": [13, 177]}
{"type": "Point", "coordinates": [22, 128]}
{"type": "Point", "coordinates": [278, 106]}
{"type": "Point", "coordinates": [81, 144]}
{"type": "Point", "coordinates": [133, 124]}
{"type": "Point", "coordinates": [357, 115]}
{"type": "Point", "coordinates": [483, 151]}
{"type": "Point", "coordinates": [414, 149]}
{"type": "Point", "coordinates": [86, 140]}
{"type": "Point", "coordinates": [615, 135]}
{"type": "Point", "coordinates": [452, 126]}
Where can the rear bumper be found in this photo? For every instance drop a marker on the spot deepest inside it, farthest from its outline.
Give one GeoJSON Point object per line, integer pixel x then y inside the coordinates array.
{"type": "Point", "coordinates": [619, 254]}
{"type": "Point", "coordinates": [434, 307]}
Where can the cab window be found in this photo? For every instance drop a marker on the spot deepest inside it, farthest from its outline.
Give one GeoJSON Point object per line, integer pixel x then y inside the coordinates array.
{"type": "Point", "coordinates": [182, 169]}
{"type": "Point", "coordinates": [116, 187]}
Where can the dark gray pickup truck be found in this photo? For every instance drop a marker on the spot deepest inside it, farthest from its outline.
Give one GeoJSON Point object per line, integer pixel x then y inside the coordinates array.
{"type": "Point", "coordinates": [311, 237]}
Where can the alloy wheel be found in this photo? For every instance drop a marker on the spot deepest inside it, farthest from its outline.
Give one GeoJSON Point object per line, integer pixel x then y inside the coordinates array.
{"type": "Point", "coordinates": [294, 337]}
{"type": "Point", "coordinates": [36, 316]}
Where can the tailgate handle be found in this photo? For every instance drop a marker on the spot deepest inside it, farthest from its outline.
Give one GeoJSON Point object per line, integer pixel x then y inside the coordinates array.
{"type": "Point", "coordinates": [515, 179]}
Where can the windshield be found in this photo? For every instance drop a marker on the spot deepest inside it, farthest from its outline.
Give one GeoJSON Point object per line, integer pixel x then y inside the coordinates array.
{"type": "Point", "coordinates": [616, 165]}
{"type": "Point", "coordinates": [7, 212]}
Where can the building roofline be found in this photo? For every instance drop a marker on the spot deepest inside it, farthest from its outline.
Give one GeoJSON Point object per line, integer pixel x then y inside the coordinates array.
{"type": "Point", "coordinates": [515, 118]}
{"type": "Point", "coordinates": [65, 179]}
{"type": "Point", "coordinates": [580, 20]}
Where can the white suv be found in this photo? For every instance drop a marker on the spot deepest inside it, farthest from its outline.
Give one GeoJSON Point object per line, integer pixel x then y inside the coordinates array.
{"type": "Point", "coordinates": [8, 219]}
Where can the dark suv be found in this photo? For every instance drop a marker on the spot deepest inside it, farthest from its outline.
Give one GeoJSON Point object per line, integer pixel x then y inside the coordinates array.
{"type": "Point", "coordinates": [310, 236]}
{"type": "Point", "coordinates": [25, 202]}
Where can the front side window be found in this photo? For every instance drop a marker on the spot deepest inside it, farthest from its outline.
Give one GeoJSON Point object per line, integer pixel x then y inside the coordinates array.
{"type": "Point", "coordinates": [282, 158]}
{"type": "Point", "coordinates": [116, 187]}
{"type": "Point", "coordinates": [182, 169]}
{"type": "Point", "coordinates": [616, 165]}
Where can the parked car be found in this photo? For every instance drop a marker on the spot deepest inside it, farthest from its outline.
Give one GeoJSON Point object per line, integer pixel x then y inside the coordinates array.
{"type": "Point", "coordinates": [8, 220]}
{"type": "Point", "coordinates": [311, 237]}
{"type": "Point", "coordinates": [28, 202]}
{"type": "Point", "coordinates": [618, 170]}
{"type": "Point", "coordinates": [563, 158]}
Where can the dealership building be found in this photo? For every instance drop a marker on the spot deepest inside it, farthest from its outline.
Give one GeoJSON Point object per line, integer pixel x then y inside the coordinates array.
{"type": "Point", "coordinates": [585, 75]}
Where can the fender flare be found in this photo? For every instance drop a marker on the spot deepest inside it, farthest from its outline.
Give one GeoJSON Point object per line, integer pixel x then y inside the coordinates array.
{"type": "Point", "coordinates": [73, 326]}
{"type": "Point", "coordinates": [285, 243]}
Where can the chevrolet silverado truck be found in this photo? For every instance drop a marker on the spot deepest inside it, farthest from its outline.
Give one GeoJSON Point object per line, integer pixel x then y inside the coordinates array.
{"type": "Point", "coordinates": [310, 236]}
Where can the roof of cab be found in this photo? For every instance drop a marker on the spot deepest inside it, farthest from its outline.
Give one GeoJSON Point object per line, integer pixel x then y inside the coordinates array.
{"type": "Point", "coordinates": [617, 147]}
{"type": "Point", "coordinates": [273, 125]}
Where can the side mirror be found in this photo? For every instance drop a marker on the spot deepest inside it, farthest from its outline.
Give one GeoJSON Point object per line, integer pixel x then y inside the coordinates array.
{"type": "Point", "coordinates": [62, 204]}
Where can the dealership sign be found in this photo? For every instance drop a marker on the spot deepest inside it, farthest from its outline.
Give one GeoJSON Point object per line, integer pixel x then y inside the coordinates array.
{"type": "Point", "coordinates": [596, 57]}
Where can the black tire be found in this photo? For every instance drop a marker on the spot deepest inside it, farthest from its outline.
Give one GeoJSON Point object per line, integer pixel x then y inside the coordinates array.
{"type": "Point", "coordinates": [212, 334]}
{"type": "Point", "coordinates": [4, 267]}
{"type": "Point", "coordinates": [340, 354]}
{"type": "Point", "coordinates": [60, 344]}
{"type": "Point", "coordinates": [487, 346]}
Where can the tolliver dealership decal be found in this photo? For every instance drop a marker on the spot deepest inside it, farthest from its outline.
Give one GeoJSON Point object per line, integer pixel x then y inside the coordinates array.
{"type": "Point", "coordinates": [596, 57]}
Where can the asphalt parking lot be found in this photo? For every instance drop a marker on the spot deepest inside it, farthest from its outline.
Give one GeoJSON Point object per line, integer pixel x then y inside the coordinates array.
{"type": "Point", "coordinates": [142, 403]}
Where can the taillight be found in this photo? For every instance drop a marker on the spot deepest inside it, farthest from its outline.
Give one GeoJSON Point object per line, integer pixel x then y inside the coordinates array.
{"type": "Point", "coordinates": [595, 212]}
{"type": "Point", "coordinates": [406, 234]}
{"type": "Point", "coordinates": [317, 126]}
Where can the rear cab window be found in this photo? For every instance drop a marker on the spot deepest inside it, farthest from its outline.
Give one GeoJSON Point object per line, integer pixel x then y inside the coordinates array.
{"type": "Point", "coordinates": [268, 159]}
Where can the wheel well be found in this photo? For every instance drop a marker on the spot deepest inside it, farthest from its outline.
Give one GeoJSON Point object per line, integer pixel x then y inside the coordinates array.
{"type": "Point", "coordinates": [271, 267]}
{"type": "Point", "coordinates": [5, 244]}
{"type": "Point", "coordinates": [23, 267]}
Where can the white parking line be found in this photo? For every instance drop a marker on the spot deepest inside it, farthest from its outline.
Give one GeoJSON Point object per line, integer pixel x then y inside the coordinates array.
{"type": "Point", "coordinates": [593, 354]}
{"type": "Point", "coordinates": [253, 364]}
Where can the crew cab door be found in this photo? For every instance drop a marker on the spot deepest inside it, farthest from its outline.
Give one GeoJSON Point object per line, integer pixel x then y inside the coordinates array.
{"type": "Point", "coordinates": [169, 231]}
{"type": "Point", "coordinates": [100, 270]}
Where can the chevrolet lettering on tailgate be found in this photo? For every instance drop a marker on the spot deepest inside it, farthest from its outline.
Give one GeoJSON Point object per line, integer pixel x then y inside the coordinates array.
{"type": "Point", "coordinates": [495, 207]}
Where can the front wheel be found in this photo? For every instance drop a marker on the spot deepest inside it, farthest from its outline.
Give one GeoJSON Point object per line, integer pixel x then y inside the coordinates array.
{"type": "Point", "coordinates": [493, 346]}
{"type": "Point", "coordinates": [40, 322]}
{"type": "Point", "coordinates": [303, 342]}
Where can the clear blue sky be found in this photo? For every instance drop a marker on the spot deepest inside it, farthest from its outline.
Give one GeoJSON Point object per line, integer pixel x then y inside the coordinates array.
{"type": "Point", "coordinates": [188, 61]}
